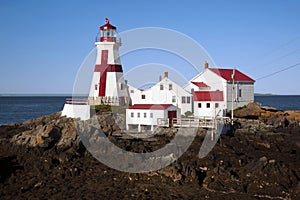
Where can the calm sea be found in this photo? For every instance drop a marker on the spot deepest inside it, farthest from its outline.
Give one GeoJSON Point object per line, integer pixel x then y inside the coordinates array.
{"type": "Point", "coordinates": [18, 109]}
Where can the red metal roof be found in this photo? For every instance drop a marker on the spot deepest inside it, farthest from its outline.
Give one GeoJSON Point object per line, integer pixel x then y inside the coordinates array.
{"type": "Point", "coordinates": [108, 26]}
{"type": "Point", "coordinates": [200, 84]}
{"type": "Point", "coordinates": [208, 96]}
{"type": "Point", "coordinates": [150, 106]}
{"type": "Point", "coordinates": [226, 74]}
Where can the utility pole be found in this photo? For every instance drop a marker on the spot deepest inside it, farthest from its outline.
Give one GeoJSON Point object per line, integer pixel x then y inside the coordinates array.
{"type": "Point", "coordinates": [232, 92]}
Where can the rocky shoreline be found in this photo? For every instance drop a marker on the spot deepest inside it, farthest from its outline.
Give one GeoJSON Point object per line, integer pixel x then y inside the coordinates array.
{"type": "Point", "coordinates": [44, 158]}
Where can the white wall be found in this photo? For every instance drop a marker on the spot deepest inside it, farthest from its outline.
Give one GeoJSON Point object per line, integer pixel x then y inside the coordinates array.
{"type": "Point", "coordinates": [147, 120]}
{"type": "Point", "coordinates": [113, 52]}
{"type": "Point", "coordinates": [210, 78]}
{"type": "Point", "coordinates": [95, 81]}
{"type": "Point", "coordinates": [155, 95]}
{"type": "Point", "coordinates": [209, 112]}
{"type": "Point", "coordinates": [76, 111]}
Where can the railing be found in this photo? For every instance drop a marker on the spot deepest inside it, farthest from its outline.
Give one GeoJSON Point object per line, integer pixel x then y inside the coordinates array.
{"type": "Point", "coordinates": [77, 101]}
{"type": "Point", "coordinates": [163, 122]}
{"type": "Point", "coordinates": [204, 122]}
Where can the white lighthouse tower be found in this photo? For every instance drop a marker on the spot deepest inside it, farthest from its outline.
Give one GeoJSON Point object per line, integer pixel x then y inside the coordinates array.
{"type": "Point", "coordinates": [108, 85]}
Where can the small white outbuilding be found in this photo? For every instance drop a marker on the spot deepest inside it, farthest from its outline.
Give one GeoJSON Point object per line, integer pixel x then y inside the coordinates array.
{"type": "Point", "coordinates": [145, 116]}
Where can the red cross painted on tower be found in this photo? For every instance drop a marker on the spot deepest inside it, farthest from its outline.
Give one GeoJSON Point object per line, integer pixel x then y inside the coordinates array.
{"type": "Point", "coordinates": [102, 68]}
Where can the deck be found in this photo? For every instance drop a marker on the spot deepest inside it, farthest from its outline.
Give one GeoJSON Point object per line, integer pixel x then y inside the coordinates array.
{"type": "Point", "coordinates": [203, 122]}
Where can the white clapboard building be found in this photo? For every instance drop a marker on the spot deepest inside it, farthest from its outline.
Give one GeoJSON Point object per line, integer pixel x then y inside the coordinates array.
{"type": "Point", "coordinates": [144, 116]}
{"type": "Point", "coordinates": [209, 94]}
{"type": "Point", "coordinates": [165, 91]}
{"type": "Point", "coordinates": [215, 90]}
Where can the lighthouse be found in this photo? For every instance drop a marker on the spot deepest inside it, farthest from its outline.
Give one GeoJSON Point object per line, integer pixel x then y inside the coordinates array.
{"type": "Point", "coordinates": [108, 85]}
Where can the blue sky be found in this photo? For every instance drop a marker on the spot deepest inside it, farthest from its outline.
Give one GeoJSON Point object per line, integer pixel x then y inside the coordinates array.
{"type": "Point", "coordinates": [43, 43]}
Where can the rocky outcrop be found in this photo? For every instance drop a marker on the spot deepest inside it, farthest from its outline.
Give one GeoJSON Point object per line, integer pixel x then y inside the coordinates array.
{"type": "Point", "coordinates": [253, 117]}
{"type": "Point", "coordinates": [44, 157]}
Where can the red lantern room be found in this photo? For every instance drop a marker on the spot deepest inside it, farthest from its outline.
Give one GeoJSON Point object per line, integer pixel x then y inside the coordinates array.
{"type": "Point", "coordinates": [108, 32]}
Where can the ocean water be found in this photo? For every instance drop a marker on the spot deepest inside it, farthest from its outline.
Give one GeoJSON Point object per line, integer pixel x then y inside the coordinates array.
{"type": "Point", "coordinates": [281, 102]}
{"type": "Point", "coordinates": [18, 109]}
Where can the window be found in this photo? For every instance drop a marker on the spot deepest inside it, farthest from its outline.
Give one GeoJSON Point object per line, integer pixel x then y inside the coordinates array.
{"type": "Point", "coordinates": [143, 96]}
{"type": "Point", "coordinates": [240, 92]}
{"type": "Point", "coordinates": [161, 87]}
{"type": "Point", "coordinates": [207, 105]}
{"type": "Point", "coordinates": [170, 86]}
{"type": "Point", "coordinates": [131, 91]}
{"type": "Point", "coordinates": [188, 99]}
{"type": "Point", "coordinates": [138, 115]}
{"type": "Point", "coordinates": [132, 114]}
{"type": "Point", "coordinates": [122, 86]}
{"type": "Point", "coordinates": [96, 86]}
{"type": "Point", "coordinates": [183, 100]}
{"type": "Point", "coordinates": [173, 99]}
{"type": "Point", "coordinates": [216, 105]}
{"type": "Point", "coordinates": [145, 115]}
{"type": "Point", "coordinates": [151, 115]}
{"type": "Point", "coordinates": [199, 105]}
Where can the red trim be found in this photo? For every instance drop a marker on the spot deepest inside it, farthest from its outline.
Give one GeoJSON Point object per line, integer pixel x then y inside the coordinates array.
{"type": "Point", "coordinates": [109, 68]}
{"type": "Point", "coordinates": [107, 39]}
{"type": "Point", "coordinates": [103, 72]}
{"type": "Point", "coordinates": [226, 74]}
{"type": "Point", "coordinates": [208, 96]}
{"type": "Point", "coordinates": [200, 84]}
{"type": "Point", "coordinates": [150, 106]}
{"type": "Point", "coordinates": [103, 68]}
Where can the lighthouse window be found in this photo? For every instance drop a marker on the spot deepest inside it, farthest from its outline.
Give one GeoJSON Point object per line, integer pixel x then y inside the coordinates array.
{"type": "Point", "coordinates": [131, 91]}
{"type": "Point", "coordinates": [170, 86]}
{"type": "Point", "coordinates": [138, 115]}
{"type": "Point", "coordinates": [207, 105]}
{"type": "Point", "coordinates": [216, 105]}
{"type": "Point", "coordinates": [96, 86]}
{"type": "Point", "coordinates": [122, 86]}
{"type": "Point", "coordinates": [183, 100]}
{"type": "Point", "coordinates": [199, 105]}
{"type": "Point", "coordinates": [145, 115]}
{"type": "Point", "coordinates": [151, 115]}
{"type": "Point", "coordinates": [132, 114]}
{"type": "Point", "coordinates": [161, 87]}
{"type": "Point", "coordinates": [240, 92]}
{"type": "Point", "coordinates": [143, 96]}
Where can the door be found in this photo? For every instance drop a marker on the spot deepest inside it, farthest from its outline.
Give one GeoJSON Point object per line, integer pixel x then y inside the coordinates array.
{"type": "Point", "coordinates": [172, 114]}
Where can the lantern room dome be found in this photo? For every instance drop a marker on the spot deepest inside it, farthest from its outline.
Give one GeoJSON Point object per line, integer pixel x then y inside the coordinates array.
{"type": "Point", "coordinates": [107, 25]}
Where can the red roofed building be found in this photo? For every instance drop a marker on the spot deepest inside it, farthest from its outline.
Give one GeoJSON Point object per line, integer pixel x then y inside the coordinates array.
{"type": "Point", "coordinates": [227, 75]}
{"type": "Point", "coordinates": [213, 91]}
{"type": "Point", "coordinates": [145, 116]}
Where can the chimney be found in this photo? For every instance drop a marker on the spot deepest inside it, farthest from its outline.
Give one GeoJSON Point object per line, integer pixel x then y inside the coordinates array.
{"type": "Point", "coordinates": [206, 65]}
{"type": "Point", "coordinates": [160, 78]}
{"type": "Point", "coordinates": [166, 74]}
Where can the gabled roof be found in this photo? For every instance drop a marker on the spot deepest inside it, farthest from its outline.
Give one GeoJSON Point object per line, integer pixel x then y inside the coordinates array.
{"type": "Point", "coordinates": [208, 96]}
{"type": "Point", "coordinates": [200, 84]}
{"type": "Point", "coordinates": [227, 73]}
{"type": "Point", "coordinates": [150, 106]}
